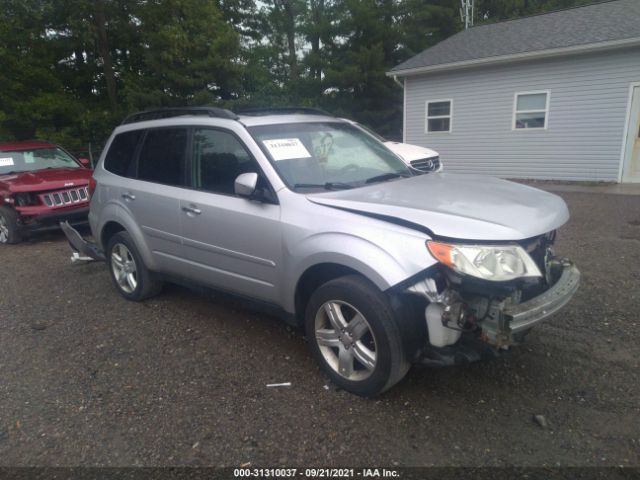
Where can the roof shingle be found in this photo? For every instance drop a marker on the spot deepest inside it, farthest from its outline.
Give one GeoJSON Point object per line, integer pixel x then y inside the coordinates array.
{"type": "Point", "coordinates": [586, 25]}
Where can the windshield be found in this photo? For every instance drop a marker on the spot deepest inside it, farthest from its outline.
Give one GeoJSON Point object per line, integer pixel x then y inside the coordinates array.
{"type": "Point", "coordinates": [37, 159]}
{"type": "Point", "coordinates": [371, 132]}
{"type": "Point", "coordinates": [327, 155]}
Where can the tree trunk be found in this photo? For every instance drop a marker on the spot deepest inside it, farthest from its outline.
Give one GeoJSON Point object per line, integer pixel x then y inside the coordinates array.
{"type": "Point", "coordinates": [103, 49]}
{"type": "Point", "coordinates": [317, 16]}
{"type": "Point", "coordinates": [291, 38]}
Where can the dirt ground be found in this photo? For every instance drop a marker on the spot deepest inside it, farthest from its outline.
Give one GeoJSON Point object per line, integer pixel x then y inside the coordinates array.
{"type": "Point", "coordinates": [87, 378]}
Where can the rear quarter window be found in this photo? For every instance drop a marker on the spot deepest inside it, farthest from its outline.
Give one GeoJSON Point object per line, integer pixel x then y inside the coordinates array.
{"type": "Point", "coordinates": [163, 156]}
{"type": "Point", "coordinates": [120, 157]}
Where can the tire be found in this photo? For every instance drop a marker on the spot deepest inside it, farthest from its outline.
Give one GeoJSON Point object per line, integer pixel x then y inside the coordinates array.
{"type": "Point", "coordinates": [129, 274]}
{"type": "Point", "coordinates": [9, 230]}
{"type": "Point", "coordinates": [354, 336]}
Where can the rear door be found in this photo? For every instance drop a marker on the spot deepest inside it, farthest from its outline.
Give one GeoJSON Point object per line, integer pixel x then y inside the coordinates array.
{"type": "Point", "coordinates": [152, 197]}
{"type": "Point", "coordinates": [232, 243]}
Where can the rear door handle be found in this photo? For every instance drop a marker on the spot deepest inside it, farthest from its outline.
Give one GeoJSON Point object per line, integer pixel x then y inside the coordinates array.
{"type": "Point", "coordinates": [192, 209]}
{"type": "Point", "coordinates": [128, 196]}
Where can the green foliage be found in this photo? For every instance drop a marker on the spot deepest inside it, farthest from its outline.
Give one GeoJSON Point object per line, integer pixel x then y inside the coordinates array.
{"type": "Point", "coordinates": [426, 23]}
{"type": "Point", "coordinates": [186, 55]}
{"type": "Point", "coordinates": [72, 69]}
{"type": "Point", "coordinates": [32, 94]}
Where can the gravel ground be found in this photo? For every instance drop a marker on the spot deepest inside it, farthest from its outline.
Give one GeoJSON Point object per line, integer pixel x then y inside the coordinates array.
{"type": "Point", "coordinates": [87, 378]}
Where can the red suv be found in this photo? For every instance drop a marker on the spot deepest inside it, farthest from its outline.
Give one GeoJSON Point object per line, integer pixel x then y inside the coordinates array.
{"type": "Point", "coordinates": [40, 185]}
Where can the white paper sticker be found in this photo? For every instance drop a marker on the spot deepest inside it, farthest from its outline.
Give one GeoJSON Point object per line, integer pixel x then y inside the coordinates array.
{"type": "Point", "coordinates": [6, 162]}
{"type": "Point", "coordinates": [286, 148]}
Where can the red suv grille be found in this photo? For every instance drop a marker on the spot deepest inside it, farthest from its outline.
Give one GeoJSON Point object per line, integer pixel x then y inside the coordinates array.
{"type": "Point", "coordinates": [66, 197]}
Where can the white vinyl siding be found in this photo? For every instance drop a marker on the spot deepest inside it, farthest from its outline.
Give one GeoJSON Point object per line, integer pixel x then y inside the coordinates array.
{"type": "Point", "coordinates": [585, 123]}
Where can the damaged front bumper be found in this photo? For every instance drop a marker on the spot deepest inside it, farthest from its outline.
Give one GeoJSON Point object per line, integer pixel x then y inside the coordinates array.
{"type": "Point", "coordinates": [464, 326]}
{"type": "Point", "coordinates": [82, 249]}
{"type": "Point", "coordinates": [514, 320]}
{"type": "Point", "coordinates": [45, 222]}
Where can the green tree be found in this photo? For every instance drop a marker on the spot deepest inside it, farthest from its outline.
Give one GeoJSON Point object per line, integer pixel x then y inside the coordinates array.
{"type": "Point", "coordinates": [31, 93]}
{"type": "Point", "coordinates": [320, 28]}
{"type": "Point", "coordinates": [423, 24]}
{"type": "Point", "coordinates": [186, 55]}
{"type": "Point", "coordinates": [355, 78]}
{"type": "Point", "coordinates": [71, 69]}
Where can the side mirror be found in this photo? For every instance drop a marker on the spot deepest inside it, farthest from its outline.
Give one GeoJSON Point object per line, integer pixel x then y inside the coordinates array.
{"type": "Point", "coordinates": [86, 163]}
{"type": "Point", "coordinates": [245, 184]}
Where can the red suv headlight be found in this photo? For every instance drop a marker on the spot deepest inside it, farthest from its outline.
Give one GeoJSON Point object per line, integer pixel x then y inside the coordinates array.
{"type": "Point", "coordinates": [25, 199]}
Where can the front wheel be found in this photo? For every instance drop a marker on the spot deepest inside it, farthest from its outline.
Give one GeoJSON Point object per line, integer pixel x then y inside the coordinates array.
{"type": "Point", "coordinates": [9, 230]}
{"type": "Point", "coordinates": [354, 336]}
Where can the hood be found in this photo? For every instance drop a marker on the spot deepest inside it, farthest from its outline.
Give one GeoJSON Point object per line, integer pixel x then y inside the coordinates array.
{"type": "Point", "coordinates": [471, 207]}
{"type": "Point", "coordinates": [410, 152]}
{"type": "Point", "coordinates": [42, 180]}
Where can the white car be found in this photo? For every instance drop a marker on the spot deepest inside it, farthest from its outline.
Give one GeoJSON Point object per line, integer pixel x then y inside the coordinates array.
{"type": "Point", "coordinates": [418, 158]}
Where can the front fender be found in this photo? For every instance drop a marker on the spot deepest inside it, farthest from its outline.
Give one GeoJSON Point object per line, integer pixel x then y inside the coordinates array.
{"type": "Point", "coordinates": [356, 253]}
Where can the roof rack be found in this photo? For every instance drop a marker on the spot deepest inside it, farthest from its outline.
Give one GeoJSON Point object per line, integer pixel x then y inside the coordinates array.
{"type": "Point", "coordinates": [169, 112]}
{"type": "Point", "coordinates": [284, 111]}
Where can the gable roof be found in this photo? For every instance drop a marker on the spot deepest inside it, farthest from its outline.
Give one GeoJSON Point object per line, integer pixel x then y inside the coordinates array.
{"type": "Point", "coordinates": [600, 25]}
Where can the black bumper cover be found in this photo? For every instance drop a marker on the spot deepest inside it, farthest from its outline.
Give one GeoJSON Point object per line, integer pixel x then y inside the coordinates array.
{"type": "Point", "coordinates": [51, 221]}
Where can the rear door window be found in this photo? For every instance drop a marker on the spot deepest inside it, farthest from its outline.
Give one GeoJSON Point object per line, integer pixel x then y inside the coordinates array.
{"type": "Point", "coordinates": [120, 157]}
{"type": "Point", "coordinates": [162, 156]}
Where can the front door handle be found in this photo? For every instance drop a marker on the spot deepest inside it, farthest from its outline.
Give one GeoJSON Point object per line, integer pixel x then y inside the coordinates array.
{"type": "Point", "coordinates": [128, 196]}
{"type": "Point", "coordinates": [192, 209]}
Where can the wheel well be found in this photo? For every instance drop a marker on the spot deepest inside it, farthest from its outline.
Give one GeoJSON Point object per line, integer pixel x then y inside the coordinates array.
{"type": "Point", "coordinates": [311, 279]}
{"type": "Point", "coordinates": [408, 309]}
{"type": "Point", "coordinates": [108, 231]}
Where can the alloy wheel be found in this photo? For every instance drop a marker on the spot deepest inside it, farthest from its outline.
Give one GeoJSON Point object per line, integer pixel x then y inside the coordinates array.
{"type": "Point", "coordinates": [124, 268]}
{"type": "Point", "coordinates": [346, 340]}
{"type": "Point", "coordinates": [4, 230]}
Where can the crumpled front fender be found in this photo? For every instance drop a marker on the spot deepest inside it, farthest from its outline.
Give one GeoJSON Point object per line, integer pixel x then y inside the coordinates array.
{"type": "Point", "coordinates": [372, 261]}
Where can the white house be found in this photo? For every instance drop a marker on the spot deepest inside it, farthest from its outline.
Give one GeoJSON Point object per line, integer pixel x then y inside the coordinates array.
{"type": "Point", "coordinates": [552, 96]}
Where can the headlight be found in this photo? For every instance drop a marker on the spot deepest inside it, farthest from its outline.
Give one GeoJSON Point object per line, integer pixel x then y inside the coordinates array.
{"type": "Point", "coordinates": [24, 199]}
{"type": "Point", "coordinates": [498, 263]}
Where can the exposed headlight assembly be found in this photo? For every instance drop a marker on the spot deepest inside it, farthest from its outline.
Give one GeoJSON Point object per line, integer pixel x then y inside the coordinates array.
{"type": "Point", "coordinates": [498, 263]}
{"type": "Point", "coordinates": [24, 199]}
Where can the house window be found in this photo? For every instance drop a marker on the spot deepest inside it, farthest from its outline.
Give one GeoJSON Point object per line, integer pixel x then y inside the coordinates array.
{"type": "Point", "coordinates": [530, 110]}
{"type": "Point", "coordinates": [439, 114]}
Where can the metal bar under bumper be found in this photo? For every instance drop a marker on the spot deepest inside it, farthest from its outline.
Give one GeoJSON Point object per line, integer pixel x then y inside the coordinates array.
{"type": "Point", "coordinates": [523, 316]}
{"type": "Point", "coordinates": [79, 244]}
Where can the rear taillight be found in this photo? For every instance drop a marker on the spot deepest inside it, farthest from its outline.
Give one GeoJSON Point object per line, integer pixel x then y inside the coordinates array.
{"type": "Point", "coordinates": [92, 186]}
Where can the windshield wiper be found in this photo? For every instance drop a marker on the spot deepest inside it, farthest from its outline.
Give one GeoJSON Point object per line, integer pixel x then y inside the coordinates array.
{"type": "Point", "coordinates": [384, 176]}
{"type": "Point", "coordinates": [326, 186]}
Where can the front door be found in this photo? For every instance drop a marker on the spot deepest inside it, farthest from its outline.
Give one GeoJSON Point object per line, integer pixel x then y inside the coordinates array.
{"type": "Point", "coordinates": [231, 242]}
{"type": "Point", "coordinates": [631, 169]}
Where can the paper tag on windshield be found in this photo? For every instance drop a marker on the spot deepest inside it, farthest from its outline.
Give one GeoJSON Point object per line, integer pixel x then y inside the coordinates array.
{"type": "Point", "coordinates": [6, 162]}
{"type": "Point", "coordinates": [286, 148]}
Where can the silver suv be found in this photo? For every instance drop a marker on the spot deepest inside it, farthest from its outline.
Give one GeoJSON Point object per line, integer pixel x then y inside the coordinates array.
{"type": "Point", "coordinates": [310, 214]}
